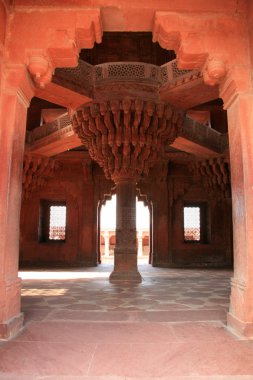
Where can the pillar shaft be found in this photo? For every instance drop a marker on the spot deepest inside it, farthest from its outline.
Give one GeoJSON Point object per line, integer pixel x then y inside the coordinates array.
{"type": "Point", "coordinates": [240, 117]}
{"type": "Point", "coordinates": [13, 109]}
{"type": "Point", "coordinates": [125, 252]}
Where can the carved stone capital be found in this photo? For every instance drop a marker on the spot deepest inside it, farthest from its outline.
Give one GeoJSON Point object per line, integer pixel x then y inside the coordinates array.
{"type": "Point", "coordinates": [126, 137]}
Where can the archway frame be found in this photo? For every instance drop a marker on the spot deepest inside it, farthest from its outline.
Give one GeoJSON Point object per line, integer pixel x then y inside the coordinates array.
{"type": "Point", "coordinates": [147, 202]}
{"type": "Point", "coordinates": [102, 202]}
{"type": "Point", "coordinates": [217, 43]}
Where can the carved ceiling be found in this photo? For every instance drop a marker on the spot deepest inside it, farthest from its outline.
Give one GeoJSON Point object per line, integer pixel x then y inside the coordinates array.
{"type": "Point", "coordinates": [148, 70]}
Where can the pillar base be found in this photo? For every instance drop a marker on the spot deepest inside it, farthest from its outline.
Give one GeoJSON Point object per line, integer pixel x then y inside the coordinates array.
{"type": "Point", "coordinates": [133, 277]}
{"type": "Point", "coordinates": [11, 327]}
{"type": "Point", "coordinates": [125, 267]}
{"type": "Point", "coordinates": [240, 328]}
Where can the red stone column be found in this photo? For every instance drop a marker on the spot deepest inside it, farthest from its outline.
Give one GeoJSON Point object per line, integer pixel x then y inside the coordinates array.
{"type": "Point", "coordinates": [240, 121]}
{"type": "Point", "coordinates": [15, 97]}
{"type": "Point", "coordinates": [125, 252]}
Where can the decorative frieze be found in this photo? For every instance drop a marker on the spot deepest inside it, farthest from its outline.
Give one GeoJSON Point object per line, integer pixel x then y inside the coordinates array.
{"type": "Point", "coordinates": [36, 171]}
{"type": "Point", "coordinates": [216, 175]}
{"type": "Point", "coordinates": [59, 124]}
{"type": "Point", "coordinates": [85, 76]}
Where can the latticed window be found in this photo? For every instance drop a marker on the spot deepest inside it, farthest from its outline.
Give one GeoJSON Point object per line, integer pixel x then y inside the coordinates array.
{"type": "Point", "coordinates": [195, 222]}
{"type": "Point", "coordinates": [192, 223]}
{"type": "Point", "coordinates": [57, 223]}
{"type": "Point", "coordinates": [52, 221]}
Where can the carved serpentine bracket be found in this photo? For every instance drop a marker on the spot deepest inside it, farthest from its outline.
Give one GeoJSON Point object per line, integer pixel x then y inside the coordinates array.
{"type": "Point", "coordinates": [213, 43]}
{"type": "Point", "coordinates": [36, 171]}
{"type": "Point", "coordinates": [216, 175]}
{"type": "Point", "coordinates": [61, 43]}
{"type": "Point", "coordinates": [41, 70]}
{"type": "Point", "coordinates": [127, 137]}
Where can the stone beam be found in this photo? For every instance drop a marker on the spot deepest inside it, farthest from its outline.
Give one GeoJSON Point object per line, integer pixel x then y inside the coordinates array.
{"type": "Point", "coordinates": [200, 140]}
{"type": "Point", "coordinates": [188, 94]}
{"type": "Point", "coordinates": [167, 81]}
{"type": "Point", "coordinates": [57, 137]}
{"type": "Point", "coordinates": [52, 138]}
{"type": "Point", "coordinates": [61, 95]}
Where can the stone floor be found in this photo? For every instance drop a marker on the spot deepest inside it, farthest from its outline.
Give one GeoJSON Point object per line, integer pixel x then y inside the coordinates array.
{"type": "Point", "coordinates": [172, 326]}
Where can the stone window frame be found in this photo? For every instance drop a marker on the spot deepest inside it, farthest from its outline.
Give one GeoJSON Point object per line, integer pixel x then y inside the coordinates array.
{"type": "Point", "coordinates": [204, 227]}
{"type": "Point", "coordinates": [44, 220]}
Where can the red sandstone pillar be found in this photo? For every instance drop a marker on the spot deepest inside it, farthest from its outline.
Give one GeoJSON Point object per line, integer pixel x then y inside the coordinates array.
{"type": "Point", "coordinates": [15, 97]}
{"type": "Point", "coordinates": [125, 252]}
{"type": "Point", "coordinates": [240, 120]}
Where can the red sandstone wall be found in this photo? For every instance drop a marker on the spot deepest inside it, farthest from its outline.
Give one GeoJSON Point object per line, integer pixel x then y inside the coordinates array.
{"type": "Point", "coordinates": [217, 250]}
{"type": "Point", "coordinates": [167, 194]}
{"type": "Point", "coordinates": [168, 198]}
{"type": "Point", "coordinates": [69, 185]}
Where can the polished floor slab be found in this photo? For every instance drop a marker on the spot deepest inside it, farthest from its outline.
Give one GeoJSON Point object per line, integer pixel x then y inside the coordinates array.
{"type": "Point", "coordinates": [171, 326]}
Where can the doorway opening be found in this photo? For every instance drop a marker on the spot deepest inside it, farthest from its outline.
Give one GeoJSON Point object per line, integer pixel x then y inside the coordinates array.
{"type": "Point", "coordinates": [108, 231]}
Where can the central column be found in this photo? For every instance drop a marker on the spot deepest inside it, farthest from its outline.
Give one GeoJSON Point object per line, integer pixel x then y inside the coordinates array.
{"type": "Point", "coordinates": [126, 137]}
{"type": "Point", "coordinates": [125, 252]}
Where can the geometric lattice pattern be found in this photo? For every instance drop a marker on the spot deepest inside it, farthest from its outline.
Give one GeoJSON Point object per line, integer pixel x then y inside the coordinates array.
{"type": "Point", "coordinates": [57, 223]}
{"type": "Point", "coordinates": [192, 223]}
{"type": "Point", "coordinates": [125, 70]}
{"type": "Point", "coordinates": [176, 71]}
